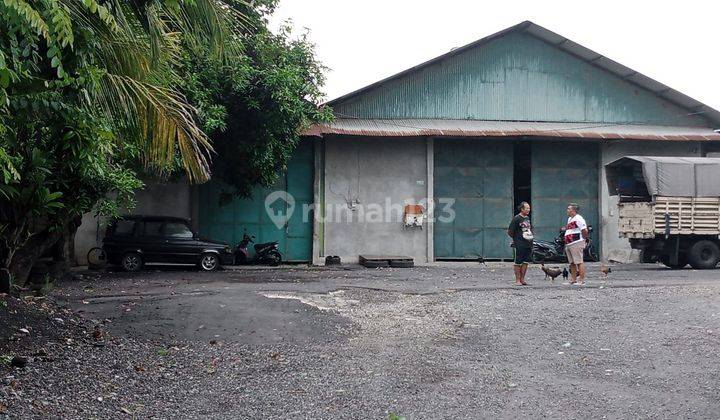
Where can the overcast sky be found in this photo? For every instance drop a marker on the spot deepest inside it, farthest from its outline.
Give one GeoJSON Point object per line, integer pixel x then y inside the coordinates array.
{"type": "Point", "coordinates": [364, 41]}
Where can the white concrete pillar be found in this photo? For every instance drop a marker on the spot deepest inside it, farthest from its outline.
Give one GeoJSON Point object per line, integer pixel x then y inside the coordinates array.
{"type": "Point", "coordinates": [430, 226]}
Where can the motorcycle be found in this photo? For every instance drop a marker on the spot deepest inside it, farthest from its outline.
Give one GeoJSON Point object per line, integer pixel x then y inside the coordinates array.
{"type": "Point", "coordinates": [547, 251]}
{"type": "Point", "coordinates": [265, 253]}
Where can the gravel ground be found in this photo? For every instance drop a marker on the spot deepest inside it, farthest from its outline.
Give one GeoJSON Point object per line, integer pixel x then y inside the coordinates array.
{"type": "Point", "coordinates": [440, 342]}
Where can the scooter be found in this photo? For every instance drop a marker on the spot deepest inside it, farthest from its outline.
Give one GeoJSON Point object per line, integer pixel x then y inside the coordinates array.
{"type": "Point", "coordinates": [266, 253]}
{"type": "Point", "coordinates": [547, 251]}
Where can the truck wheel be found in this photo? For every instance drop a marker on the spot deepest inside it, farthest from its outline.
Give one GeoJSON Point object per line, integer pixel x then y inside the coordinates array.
{"type": "Point", "coordinates": [704, 255]}
{"type": "Point", "coordinates": [682, 261]}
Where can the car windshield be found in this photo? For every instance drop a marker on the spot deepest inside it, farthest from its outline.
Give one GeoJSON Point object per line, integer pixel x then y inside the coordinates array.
{"type": "Point", "coordinates": [177, 230]}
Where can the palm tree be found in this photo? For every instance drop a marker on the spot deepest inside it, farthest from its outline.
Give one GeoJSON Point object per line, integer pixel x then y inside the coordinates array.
{"type": "Point", "coordinates": [138, 44]}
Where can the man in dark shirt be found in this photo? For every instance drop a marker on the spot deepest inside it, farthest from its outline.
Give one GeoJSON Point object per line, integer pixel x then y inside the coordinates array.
{"type": "Point", "coordinates": [520, 230]}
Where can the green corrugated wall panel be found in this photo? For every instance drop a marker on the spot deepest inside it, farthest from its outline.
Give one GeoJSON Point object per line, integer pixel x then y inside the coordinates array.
{"type": "Point", "coordinates": [478, 175]}
{"type": "Point", "coordinates": [515, 78]}
{"type": "Point", "coordinates": [563, 173]}
{"type": "Point", "coordinates": [228, 222]}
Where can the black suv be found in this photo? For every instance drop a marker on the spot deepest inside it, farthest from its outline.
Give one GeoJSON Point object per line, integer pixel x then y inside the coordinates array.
{"type": "Point", "coordinates": [135, 240]}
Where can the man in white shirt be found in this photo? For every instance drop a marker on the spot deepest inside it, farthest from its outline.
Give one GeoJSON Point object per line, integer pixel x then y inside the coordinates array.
{"type": "Point", "coordinates": [576, 236]}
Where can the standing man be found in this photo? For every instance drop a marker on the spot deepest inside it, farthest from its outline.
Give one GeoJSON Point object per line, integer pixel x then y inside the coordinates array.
{"type": "Point", "coordinates": [576, 237]}
{"type": "Point", "coordinates": [520, 230]}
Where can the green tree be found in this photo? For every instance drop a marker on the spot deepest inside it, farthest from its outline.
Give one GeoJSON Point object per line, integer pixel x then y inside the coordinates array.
{"type": "Point", "coordinates": [89, 99]}
{"type": "Point", "coordinates": [255, 106]}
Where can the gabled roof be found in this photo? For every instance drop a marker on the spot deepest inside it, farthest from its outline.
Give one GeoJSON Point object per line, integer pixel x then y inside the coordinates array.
{"type": "Point", "coordinates": [598, 60]}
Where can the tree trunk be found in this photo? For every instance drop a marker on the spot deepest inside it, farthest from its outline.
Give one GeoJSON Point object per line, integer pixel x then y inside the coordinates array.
{"type": "Point", "coordinates": [57, 240]}
{"type": "Point", "coordinates": [26, 257]}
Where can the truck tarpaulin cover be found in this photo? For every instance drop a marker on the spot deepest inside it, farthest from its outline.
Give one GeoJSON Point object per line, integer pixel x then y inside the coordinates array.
{"type": "Point", "coordinates": [666, 176]}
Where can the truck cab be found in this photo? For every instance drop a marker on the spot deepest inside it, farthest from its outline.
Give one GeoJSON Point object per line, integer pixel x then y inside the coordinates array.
{"type": "Point", "coordinates": [669, 208]}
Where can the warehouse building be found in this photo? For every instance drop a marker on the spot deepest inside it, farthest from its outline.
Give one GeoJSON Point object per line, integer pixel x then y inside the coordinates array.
{"type": "Point", "coordinates": [522, 115]}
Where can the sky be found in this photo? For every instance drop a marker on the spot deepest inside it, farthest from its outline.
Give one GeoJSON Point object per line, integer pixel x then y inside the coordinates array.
{"type": "Point", "coordinates": [365, 41]}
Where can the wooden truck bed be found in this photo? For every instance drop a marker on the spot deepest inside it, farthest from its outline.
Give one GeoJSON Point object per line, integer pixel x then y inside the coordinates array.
{"type": "Point", "coordinates": [688, 216]}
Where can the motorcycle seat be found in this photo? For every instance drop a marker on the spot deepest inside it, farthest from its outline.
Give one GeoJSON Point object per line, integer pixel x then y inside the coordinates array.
{"type": "Point", "coordinates": [264, 245]}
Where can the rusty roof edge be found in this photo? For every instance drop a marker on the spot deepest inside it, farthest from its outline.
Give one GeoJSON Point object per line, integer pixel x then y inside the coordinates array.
{"type": "Point", "coordinates": [547, 130]}
{"type": "Point", "coordinates": [667, 93]}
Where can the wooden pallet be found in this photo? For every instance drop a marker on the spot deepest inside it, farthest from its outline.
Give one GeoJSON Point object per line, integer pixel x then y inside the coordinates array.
{"type": "Point", "coordinates": [374, 261]}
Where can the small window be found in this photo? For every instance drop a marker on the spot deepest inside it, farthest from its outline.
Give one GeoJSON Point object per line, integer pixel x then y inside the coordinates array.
{"type": "Point", "coordinates": [177, 230]}
{"type": "Point", "coordinates": [153, 229]}
{"type": "Point", "coordinates": [124, 228]}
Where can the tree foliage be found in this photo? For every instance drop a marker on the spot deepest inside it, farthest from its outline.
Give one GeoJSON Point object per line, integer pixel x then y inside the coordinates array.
{"type": "Point", "coordinates": [255, 106]}
{"type": "Point", "coordinates": [88, 99]}
{"type": "Point", "coordinates": [94, 93]}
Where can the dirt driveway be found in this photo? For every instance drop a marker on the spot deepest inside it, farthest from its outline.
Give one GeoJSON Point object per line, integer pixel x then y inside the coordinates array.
{"type": "Point", "coordinates": [429, 342]}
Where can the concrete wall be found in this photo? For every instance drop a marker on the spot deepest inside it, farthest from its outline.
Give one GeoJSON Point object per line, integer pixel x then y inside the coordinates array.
{"type": "Point", "coordinates": [173, 199]}
{"type": "Point", "coordinates": [367, 183]}
{"type": "Point", "coordinates": [616, 248]}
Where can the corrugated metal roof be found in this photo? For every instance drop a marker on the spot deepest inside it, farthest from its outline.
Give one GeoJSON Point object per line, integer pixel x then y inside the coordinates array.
{"type": "Point", "coordinates": [661, 90]}
{"type": "Point", "coordinates": [473, 128]}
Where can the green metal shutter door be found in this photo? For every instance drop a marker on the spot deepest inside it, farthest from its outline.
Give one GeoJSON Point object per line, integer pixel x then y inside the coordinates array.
{"type": "Point", "coordinates": [300, 185]}
{"type": "Point", "coordinates": [228, 222]}
{"type": "Point", "coordinates": [563, 172]}
{"type": "Point", "coordinates": [478, 175]}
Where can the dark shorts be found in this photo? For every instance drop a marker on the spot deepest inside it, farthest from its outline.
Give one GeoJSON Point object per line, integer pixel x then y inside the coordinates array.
{"type": "Point", "coordinates": [523, 255]}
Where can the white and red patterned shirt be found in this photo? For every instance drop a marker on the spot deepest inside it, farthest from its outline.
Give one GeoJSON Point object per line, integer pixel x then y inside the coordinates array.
{"type": "Point", "coordinates": [573, 229]}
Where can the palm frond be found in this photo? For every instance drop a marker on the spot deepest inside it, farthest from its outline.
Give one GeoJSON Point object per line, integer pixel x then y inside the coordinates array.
{"type": "Point", "coordinates": [141, 46]}
{"type": "Point", "coordinates": [159, 118]}
{"type": "Point", "coordinates": [210, 23]}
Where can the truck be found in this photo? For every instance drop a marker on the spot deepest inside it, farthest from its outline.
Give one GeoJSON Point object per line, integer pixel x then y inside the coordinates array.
{"type": "Point", "coordinates": [669, 208]}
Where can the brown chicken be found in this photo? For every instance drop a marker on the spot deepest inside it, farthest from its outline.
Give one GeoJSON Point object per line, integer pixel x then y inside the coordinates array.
{"type": "Point", "coordinates": [605, 269]}
{"type": "Point", "coordinates": [550, 272]}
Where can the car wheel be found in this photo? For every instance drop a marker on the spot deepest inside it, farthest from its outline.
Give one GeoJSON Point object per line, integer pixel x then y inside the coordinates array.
{"type": "Point", "coordinates": [131, 261]}
{"type": "Point", "coordinates": [209, 262]}
{"type": "Point", "coordinates": [704, 255]}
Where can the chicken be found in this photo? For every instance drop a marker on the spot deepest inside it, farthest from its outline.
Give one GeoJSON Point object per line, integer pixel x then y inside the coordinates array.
{"type": "Point", "coordinates": [97, 334]}
{"type": "Point", "coordinates": [565, 274]}
{"type": "Point", "coordinates": [605, 269]}
{"type": "Point", "coordinates": [550, 272]}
